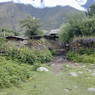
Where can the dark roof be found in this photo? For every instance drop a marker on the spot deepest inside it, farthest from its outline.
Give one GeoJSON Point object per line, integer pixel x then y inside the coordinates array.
{"type": "Point", "coordinates": [15, 37]}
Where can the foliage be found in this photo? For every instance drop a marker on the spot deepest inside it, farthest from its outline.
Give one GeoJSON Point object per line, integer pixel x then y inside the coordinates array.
{"type": "Point", "coordinates": [27, 55]}
{"type": "Point", "coordinates": [66, 34]}
{"type": "Point", "coordinates": [13, 73]}
{"type": "Point", "coordinates": [83, 55]}
{"type": "Point", "coordinates": [75, 28]}
{"type": "Point", "coordinates": [7, 32]}
{"type": "Point", "coordinates": [87, 27]}
{"type": "Point", "coordinates": [32, 26]}
{"type": "Point", "coordinates": [24, 54]}
{"type": "Point", "coordinates": [91, 10]}
{"type": "Point", "coordinates": [72, 28]}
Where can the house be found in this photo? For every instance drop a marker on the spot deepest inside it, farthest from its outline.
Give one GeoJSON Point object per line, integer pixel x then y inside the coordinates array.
{"type": "Point", "coordinates": [17, 40]}
{"type": "Point", "coordinates": [52, 35]}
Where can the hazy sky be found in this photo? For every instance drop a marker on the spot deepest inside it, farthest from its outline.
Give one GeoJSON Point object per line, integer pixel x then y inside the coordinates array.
{"type": "Point", "coordinates": [52, 3]}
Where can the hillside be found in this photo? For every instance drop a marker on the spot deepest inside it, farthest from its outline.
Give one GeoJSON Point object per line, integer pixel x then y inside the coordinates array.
{"type": "Point", "coordinates": [50, 18]}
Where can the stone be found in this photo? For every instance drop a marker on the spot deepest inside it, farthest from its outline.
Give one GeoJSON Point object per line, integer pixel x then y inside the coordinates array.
{"type": "Point", "coordinates": [67, 65]}
{"type": "Point", "coordinates": [93, 74]}
{"type": "Point", "coordinates": [80, 72]}
{"type": "Point", "coordinates": [91, 89]}
{"type": "Point", "coordinates": [74, 74]}
{"type": "Point", "coordinates": [42, 69]}
{"type": "Point", "coordinates": [89, 70]}
{"type": "Point", "coordinates": [67, 90]}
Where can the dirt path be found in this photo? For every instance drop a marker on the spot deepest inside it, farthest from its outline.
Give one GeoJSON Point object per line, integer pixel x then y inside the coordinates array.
{"type": "Point", "coordinates": [56, 64]}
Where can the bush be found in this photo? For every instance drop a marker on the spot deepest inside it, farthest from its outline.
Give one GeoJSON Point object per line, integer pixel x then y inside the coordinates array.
{"type": "Point", "coordinates": [82, 57]}
{"type": "Point", "coordinates": [27, 55]}
{"type": "Point", "coordinates": [87, 51]}
{"type": "Point", "coordinates": [12, 73]}
{"type": "Point", "coordinates": [7, 32]}
{"type": "Point", "coordinates": [75, 28]}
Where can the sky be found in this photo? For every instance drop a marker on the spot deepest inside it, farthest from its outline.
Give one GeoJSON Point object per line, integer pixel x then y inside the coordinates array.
{"type": "Point", "coordinates": [52, 3]}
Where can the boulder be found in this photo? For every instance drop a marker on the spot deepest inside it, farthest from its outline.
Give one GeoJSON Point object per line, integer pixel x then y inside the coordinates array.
{"type": "Point", "coordinates": [91, 89]}
{"type": "Point", "coordinates": [93, 74]}
{"type": "Point", "coordinates": [74, 74]}
{"type": "Point", "coordinates": [42, 69]}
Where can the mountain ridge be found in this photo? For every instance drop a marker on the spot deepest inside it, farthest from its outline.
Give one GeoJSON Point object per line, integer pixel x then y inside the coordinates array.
{"type": "Point", "coordinates": [50, 18]}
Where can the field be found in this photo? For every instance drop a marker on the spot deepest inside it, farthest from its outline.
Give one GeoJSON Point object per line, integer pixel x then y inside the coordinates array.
{"type": "Point", "coordinates": [69, 79]}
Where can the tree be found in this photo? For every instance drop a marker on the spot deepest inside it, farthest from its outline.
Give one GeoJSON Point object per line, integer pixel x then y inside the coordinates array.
{"type": "Point", "coordinates": [91, 10]}
{"type": "Point", "coordinates": [77, 27]}
{"type": "Point", "coordinates": [31, 26]}
{"type": "Point", "coordinates": [71, 28]}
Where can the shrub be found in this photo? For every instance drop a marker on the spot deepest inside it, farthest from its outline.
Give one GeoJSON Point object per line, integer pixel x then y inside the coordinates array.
{"type": "Point", "coordinates": [85, 58]}
{"type": "Point", "coordinates": [87, 51]}
{"type": "Point", "coordinates": [12, 73]}
{"type": "Point", "coordinates": [7, 32]}
{"type": "Point", "coordinates": [75, 28]}
{"type": "Point", "coordinates": [27, 55]}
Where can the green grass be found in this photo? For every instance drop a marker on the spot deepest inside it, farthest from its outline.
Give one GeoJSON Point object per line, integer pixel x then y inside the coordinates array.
{"type": "Point", "coordinates": [49, 83]}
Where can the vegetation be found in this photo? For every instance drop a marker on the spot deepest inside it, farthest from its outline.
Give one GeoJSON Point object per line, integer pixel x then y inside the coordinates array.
{"type": "Point", "coordinates": [82, 55]}
{"type": "Point", "coordinates": [91, 11]}
{"type": "Point", "coordinates": [31, 26]}
{"type": "Point", "coordinates": [17, 64]}
{"type": "Point", "coordinates": [71, 29]}
{"type": "Point", "coordinates": [7, 32]}
{"type": "Point", "coordinates": [50, 18]}
{"type": "Point", "coordinates": [79, 26]}
{"type": "Point", "coordinates": [26, 55]}
{"type": "Point", "coordinates": [84, 33]}
{"type": "Point", "coordinates": [13, 73]}
{"type": "Point", "coordinates": [48, 83]}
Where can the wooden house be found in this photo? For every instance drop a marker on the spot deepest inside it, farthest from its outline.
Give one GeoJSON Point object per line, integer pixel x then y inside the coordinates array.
{"type": "Point", "coordinates": [52, 35]}
{"type": "Point", "coordinates": [18, 41]}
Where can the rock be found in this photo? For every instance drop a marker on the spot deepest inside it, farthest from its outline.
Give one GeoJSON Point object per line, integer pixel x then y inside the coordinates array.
{"type": "Point", "coordinates": [89, 70]}
{"type": "Point", "coordinates": [67, 90]}
{"type": "Point", "coordinates": [74, 74]}
{"type": "Point", "coordinates": [93, 74]}
{"type": "Point", "coordinates": [91, 89]}
{"type": "Point", "coordinates": [83, 66]}
{"type": "Point", "coordinates": [42, 69]}
{"type": "Point", "coordinates": [67, 65]}
{"type": "Point", "coordinates": [75, 87]}
{"type": "Point", "coordinates": [80, 72]}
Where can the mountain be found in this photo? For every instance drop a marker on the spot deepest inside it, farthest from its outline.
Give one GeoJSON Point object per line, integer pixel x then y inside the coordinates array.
{"type": "Point", "coordinates": [12, 13]}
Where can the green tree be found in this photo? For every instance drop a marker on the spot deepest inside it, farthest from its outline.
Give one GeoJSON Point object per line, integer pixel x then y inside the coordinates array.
{"type": "Point", "coordinates": [71, 28]}
{"type": "Point", "coordinates": [77, 27]}
{"type": "Point", "coordinates": [91, 10]}
{"type": "Point", "coordinates": [31, 26]}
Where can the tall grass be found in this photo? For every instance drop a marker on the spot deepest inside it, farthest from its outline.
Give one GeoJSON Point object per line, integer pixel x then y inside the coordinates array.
{"type": "Point", "coordinates": [13, 73]}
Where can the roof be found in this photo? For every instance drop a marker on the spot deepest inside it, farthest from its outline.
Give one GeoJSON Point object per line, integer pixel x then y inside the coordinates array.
{"type": "Point", "coordinates": [16, 37]}
{"type": "Point", "coordinates": [54, 31]}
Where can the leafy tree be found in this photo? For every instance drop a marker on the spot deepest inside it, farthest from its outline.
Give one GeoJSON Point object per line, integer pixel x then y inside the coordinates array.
{"type": "Point", "coordinates": [77, 27]}
{"type": "Point", "coordinates": [91, 10]}
{"type": "Point", "coordinates": [71, 28]}
{"type": "Point", "coordinates": [31, 26]}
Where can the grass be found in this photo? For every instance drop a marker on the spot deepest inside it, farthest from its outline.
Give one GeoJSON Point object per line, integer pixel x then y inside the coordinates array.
{"type": "Point", "coordinates": [49, 83]}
